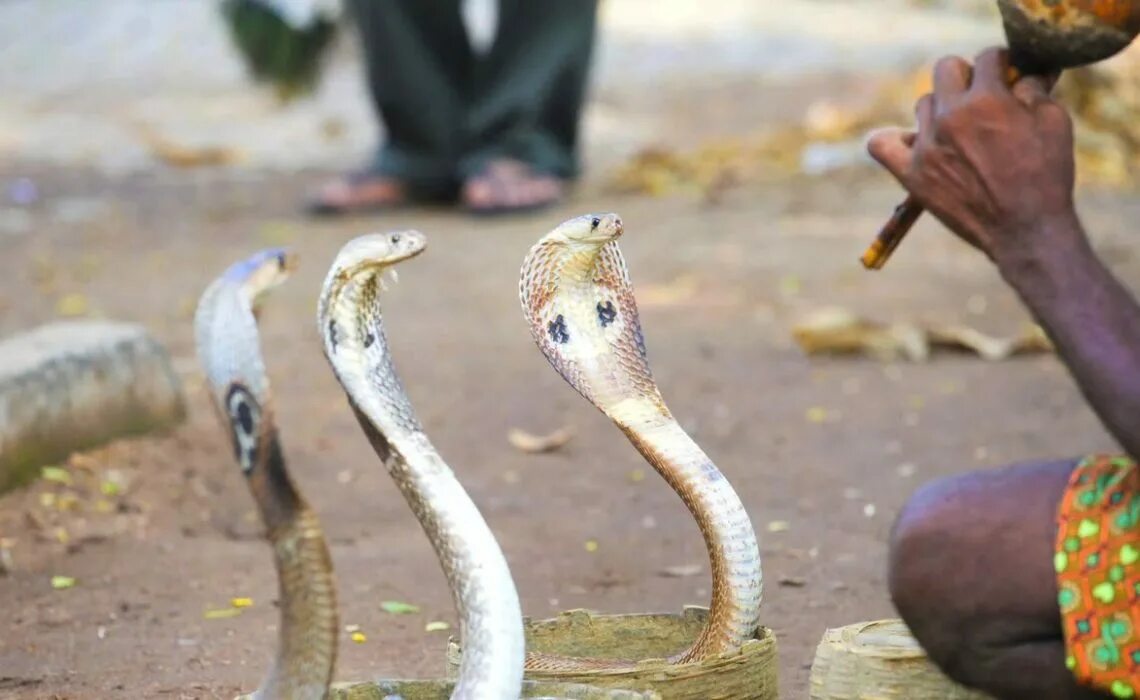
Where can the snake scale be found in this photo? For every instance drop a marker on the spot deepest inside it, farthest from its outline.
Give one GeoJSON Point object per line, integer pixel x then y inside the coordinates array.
{"type": "Point", "coordinates": [229, 351]}
{"type": "Point", "coordinates": [578, 300]}
{"type": "Point", "coordinates": [350, 321]}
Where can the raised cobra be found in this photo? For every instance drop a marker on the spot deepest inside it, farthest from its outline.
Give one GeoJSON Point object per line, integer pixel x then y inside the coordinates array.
{"type": "Point", "coordinates": [350, 322]}
{"type": "Point", "coordinates": [230, 353]}
{"type": "Point", "coordinates": [577, 297]}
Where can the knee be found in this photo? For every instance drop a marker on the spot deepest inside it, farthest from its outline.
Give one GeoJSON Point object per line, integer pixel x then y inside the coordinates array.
{"type": "Point", "coordinates": [928, 549]}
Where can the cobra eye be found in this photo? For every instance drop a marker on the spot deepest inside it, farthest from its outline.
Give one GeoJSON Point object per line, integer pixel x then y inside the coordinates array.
{"type": "Point", "coordinates": [595, 222]}
{"type": "Point", "coordinates": [395, 238]}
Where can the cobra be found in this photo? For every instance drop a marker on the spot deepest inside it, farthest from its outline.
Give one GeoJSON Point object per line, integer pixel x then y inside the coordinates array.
{"type": "Point", "coordinates": [350, 322]}
{"type": "Point", "coordinates": [578, 301]}
{"type": "Point", "coordinates": [229, 350]}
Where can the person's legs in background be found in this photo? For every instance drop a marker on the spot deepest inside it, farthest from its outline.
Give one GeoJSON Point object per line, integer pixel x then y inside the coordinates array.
{"type": "Point", "coordinates": [420, 66]}
{"type": "Point", "coordinates": [525, 105]}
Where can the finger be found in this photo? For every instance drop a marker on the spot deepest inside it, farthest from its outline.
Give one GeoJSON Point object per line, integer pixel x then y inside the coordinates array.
{"type": "Point", "coordinates": [990, 69]}
{"type": "Point", "coordinates": [891, 148]}
{"type": "Point", "coordinates": [924, 117]}
{"type": "Point", "coordinates": [1031, 90]}
{"type": "Point", "coordinates": [951, 77]}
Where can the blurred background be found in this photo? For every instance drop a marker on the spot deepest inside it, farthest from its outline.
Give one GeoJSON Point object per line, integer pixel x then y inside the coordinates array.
{"type": "Point", "coordinates": [138, 159]}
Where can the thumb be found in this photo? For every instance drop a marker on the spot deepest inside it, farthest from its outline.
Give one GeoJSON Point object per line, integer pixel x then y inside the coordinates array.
{"type": "Point", "coordinates": [893, 148]}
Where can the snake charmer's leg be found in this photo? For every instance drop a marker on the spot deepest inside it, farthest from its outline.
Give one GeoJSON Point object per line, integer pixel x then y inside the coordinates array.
{"type": "Point", "coordinates": [972, 575]}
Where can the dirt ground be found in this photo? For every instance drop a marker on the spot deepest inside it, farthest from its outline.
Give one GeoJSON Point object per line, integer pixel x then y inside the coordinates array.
{"type": "Point", "coordinates": [719, 287]}
{"type": "Point", "coordinates": [823, 451]}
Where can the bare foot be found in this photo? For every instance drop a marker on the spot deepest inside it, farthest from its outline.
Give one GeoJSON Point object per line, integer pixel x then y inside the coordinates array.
{"type": "Point", "coordinates": [359, 192]}
{"type": "Point", "coordinates": [507, 185]}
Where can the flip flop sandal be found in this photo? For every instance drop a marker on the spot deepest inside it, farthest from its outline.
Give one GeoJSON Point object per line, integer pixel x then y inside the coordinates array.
{"type": "Point", "coordinates": [499, 178]}
{"type": "Point", "coordinates": [319, 207]}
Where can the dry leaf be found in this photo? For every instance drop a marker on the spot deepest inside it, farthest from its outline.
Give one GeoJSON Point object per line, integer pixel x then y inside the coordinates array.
{"type": "Point", "coordinates": [436, 626]}
{"type": "Point", "coordinates": [672, 293]}
{"type": "Point", "coordinates": [395, 607]}
{"type": "Point", "coordinates": [71, 305]}
{"type": "Point", "coordinates": [181, 156]}
{"type": "Point", "coordinates": [791, 581]}
{"type": "Point", "coordinates": [681, 571]}
{"type": "Point", "coordinates": [57, 475]}
{"type": "Point", "coordinates": [60, 583]}
{"type": "Point", "coordinates": [836, 330]}
{"type": "Point", "coordinates": [527, 442]}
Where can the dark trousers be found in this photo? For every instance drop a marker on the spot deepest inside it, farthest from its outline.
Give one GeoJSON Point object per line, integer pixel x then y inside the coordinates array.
{"type": "Point", "coordinates": [448, 110]}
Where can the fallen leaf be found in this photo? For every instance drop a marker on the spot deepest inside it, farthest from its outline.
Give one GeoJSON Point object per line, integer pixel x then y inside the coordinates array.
{"type": "Point", "coordinates": [358, 637]}
{"type": "Point", "coordinates": [60, 583]}
{"type": "Point", "coordinates": [791, 581]}
{"type": "Point", "coordinates": [677, 291]}
{"type": "Point", "coordinates": [186, 156]}
{"type": "Point", "coordinates": [527, 442]}
{"type": "Point", "coordinates": [835, 330]}
{"type": "Point", "coordinates": [436, 626]}
{"type": "Point", "coordinates": [778, 526]}
{"type": "Point", "coordinates": [816, 414]}
{"type": "Point", "coordinates": [637, 475]}
{"type": "Point", "coordinates": [71, 305]}
{"type": "Point", "coordinates": [58, 475]}
{"type": "Point", "coordinates": [241, 602]}
{"type": "Point", "coordinates": [591, 545]}
{"type": "Point", "coordinates": [681, 571]}
{"type": "Point", "coordinates": [221, 613]}
{"type": "Point", "coordinates": [395, 607]}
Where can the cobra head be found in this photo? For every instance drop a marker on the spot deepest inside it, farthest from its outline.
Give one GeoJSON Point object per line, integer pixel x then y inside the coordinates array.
{"type": "Point", "coordinates": [1046, 36]}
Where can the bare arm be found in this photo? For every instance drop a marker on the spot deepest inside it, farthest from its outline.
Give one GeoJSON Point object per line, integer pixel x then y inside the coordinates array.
{"type": "Point", "coordinates": [1091, 317]}
{"type": "Point", "coordinates": [995, 165]}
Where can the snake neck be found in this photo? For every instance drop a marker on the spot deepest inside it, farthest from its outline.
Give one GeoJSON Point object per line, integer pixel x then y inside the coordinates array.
{"type": "Point", "coordinates": [278, 501]}
{"type": "Point", "coordinates": [734, 554]}
{"type": "Point", "coordinates": [307, 638]}
{"type": "Point", "coordinates": [477, 573]}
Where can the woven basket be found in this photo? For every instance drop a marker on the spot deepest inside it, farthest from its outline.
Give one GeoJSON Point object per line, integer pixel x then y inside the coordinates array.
{"type": "Point", "coordinates": [879, 660]}
{"type": "Point", "coordinates": [747, 674]}
{"type": "Point", "coordinates": [441, 690]}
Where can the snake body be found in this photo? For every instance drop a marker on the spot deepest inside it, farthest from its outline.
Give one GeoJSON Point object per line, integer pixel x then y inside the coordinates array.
{"type": "Point", "coordinates": [350, 323]}
{"type": "Point", "coordinates": [229, 351]}
{"type": "Point", "coordinates": [577, 297]}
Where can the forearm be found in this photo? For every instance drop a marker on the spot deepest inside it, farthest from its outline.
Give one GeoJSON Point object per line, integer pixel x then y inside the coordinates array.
{"type": "Point", "coordinates": [1091, 318]}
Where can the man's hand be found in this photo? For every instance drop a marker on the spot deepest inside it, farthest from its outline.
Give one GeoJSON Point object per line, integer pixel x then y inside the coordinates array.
{"type": "Point", "coordinates": [994, 164]}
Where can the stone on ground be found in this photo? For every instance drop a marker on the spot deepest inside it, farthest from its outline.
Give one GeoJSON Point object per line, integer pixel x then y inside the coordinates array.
{"type": "Point", "coordinates": [75, 385]}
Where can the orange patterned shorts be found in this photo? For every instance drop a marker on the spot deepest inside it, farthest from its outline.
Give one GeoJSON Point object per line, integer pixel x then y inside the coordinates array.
{"type": "Point", "coordinates": [1097, 558]}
